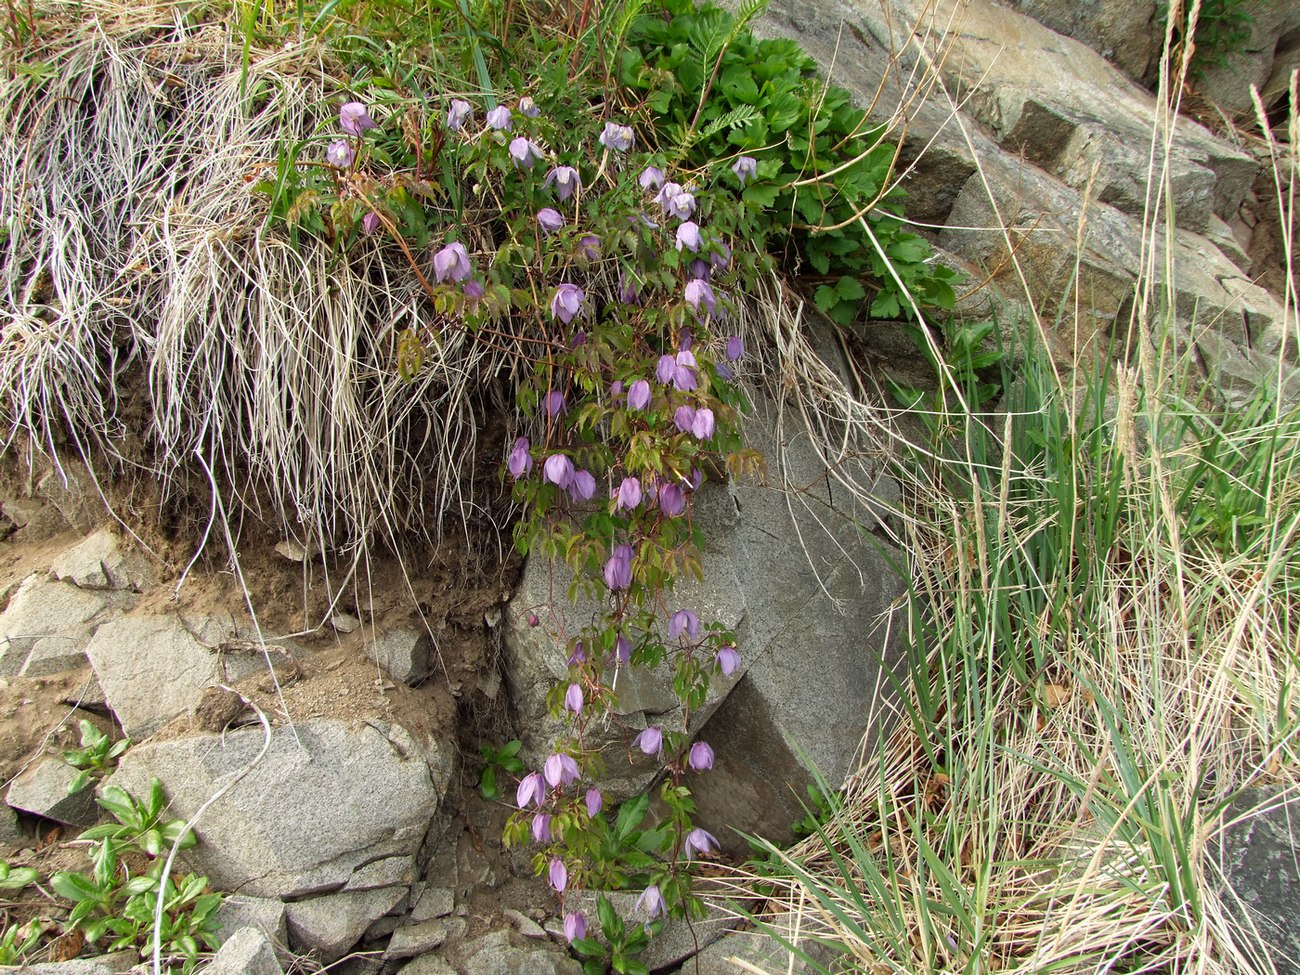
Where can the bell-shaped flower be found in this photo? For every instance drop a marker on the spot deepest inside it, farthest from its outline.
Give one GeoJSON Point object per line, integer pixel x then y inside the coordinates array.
{"type": "Point", "coordinates": [553, 403]}
{"type": "Point", "coordinates": [688, 236]}
{"type": "Point", "coordinates": [629, 288]}
{"type": "Point", "coordinates": [573, 698]}
{"type": "Point", "coordinates": [370, 222]}
{"type": "Point", "coordinates": [665, 368]}
{"type": "Point", "coordinates": [541, 828]}
{"type": "Point", "coordinates": [651, 178]}
{"type": "Point", "coordinates": [698, 841]}
{"type": "Point", "coordinates": [524, 152]}
{"type": "Point", "coordinates": [629, 494]}
{"type": "Point", "coordinates": [565, 180]}
{"type": "Point", "coordinates": [618, 570]}
{"type": "Point", "coordinates": [549, 220]}
{"type": "Point", "coordinates": [458, 114]}
{"type": "Point", "coordinates": [589, 247]}
{"type": "Point", "coordinates": [354, 119]}
{"type": "Point", "coordinates": [745, 168]}
{"type": "Point", "coordinates": [700, 757]}
{"type": "Point", "coordinates": [672, 500]}
{"type": "Point", "coordinates": [638, 395]}
{"type": "Point", "coordinates": [531, 791]}
{"type": "Point", "coordinates": [702, 425]}
{"type": "Point", "coordinates": [558, 470]}
{"type": "Point", "coordinates": [684, 418]}
{"type": "Point", "coordinates": [699, 269]}
{"type": "Point", "coordinates": [583, 486]}
{"type": "Point", "coordinates": [676, 201]}
{"type": "Point", "coordinates": [520, 462]}
{"type": "Point", "coordinates": [735, 348]}
{"type": "Point", "coordinates": [699, 293]}
{"type": "Point", "coordinates": [528, 107]}
{"type": "Point", "coordinates": [719, 256]}
{"type": "Point", "coordinates": [473, 292]}
{"type": "Point", "coordinates": [452, 263]}
{"type": "Point", "coordinates": [616, 390]}
{"type": "Point", "coordinates": [650, 741]}
{"type": "Point", "coordinates": [595, 802]}
{"type": "Point", "coordinates": [557, 874]}
{"type": "Point", "coordinates": [575, 926]}
{"type": "Point", "coordinates": [340, 154]}
{"type": "Point", "coordinates": [567, 302]}
{"type": "Point", "coordinates": [500, 118]}
{"type": "Point", "coordinates": [666, 192]}
{"type": "Point", "coordinates": [684, 371]}
{"type": "Point", "coordinates": [560, 769]}
{"type": "Point", "coordinates": [684, 621]}
{"type": "Point", "coordinates": [618, 138]}
{"type": "Point", "coordinates": [651, 902]}
{"type": "Point", "coordinates": [578, 656]}
{"type": "Point", "coordinates": [727, 659]}
{"type": "Point", "coordinates": [623, 650]}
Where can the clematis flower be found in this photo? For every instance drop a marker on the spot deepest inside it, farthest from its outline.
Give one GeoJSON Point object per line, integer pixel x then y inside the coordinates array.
{"type": "Point", "coordinates": [549, 220]}
{"type": "Point", "coordinates": [583, 486]}
{"type": "Point", "coordinates": [699, 293]}
{"type": "Point", "coordinates": [651, 178]}
{"type": "Point", "coordinates": [595, 801]}
{"type": "Point", "coordinates": [616, 389]}
{"type": "Point", "coordinates": [557, 874]}
{"type": "Point", "coordinates": [553, 403]}
{"type": "Point", "coordinates": [638, 395]}
{"type": "Point", "coordinates": [558, 469]}
{"type": "Point", "coordinates": [560, 769]}
{"type": "Point", "coordinates": [451, 263]}
{"type": "Point", "coordinates": [699, 268]}
{"type": "Point", "coordinates": [623, 650]}
{"type": "Point", "coordinates": [458, 114]}
{"type": "Point", "coordinates": [500, 118]}
{"type": "Point", "coordinates": [578, 656]}
{"type": "Point", "coordinates": [618, 138]}
{"type": "Point", "coordinates": [650, 901]}
{"type": "Point", "coordinates": [684, 418]}
{"type": "Point", "coordinates": [720, 256]}
{"type": "Point", "coordinates": [745, 167]}
{"type": "Point", "coordinates": [735, 348]}
{"type": "Point", "coordinates": [684, 370]}
{"type": "Point", "coordinates": [684, 621]}
{"type": "Point", "coordinates": [700, 757]}
{"type": "Point", "coordinates": [629, 288]}
{"type": "Point", "coordinates": [567, 302]}
{"type": "Point", "coordinates": [702, 425]}
{"type": "Point", "coordinates": [521, 461]}
{"type": "Point", "coordinates": [688, 236]}
{"type": "Point", "coordinates": [698, 841]}
{"type": "Point", "coordinates": [528, 107]}
{"type": "Point", "coordinates": [618, 570]}
{"type": "Point", "coordinates": [727, 659]}
{"type": "Point", "coordinates": [370, 222]}
{"type": "Point", "coordinates": [566, 181]}
{"type": "Point", "coordinates": [665, 368]}
{"type": "Point", "coordinates": [531, 791]}
{"type": "Point", "coordinates": [629, 494]}
{"type": "Point", "coordinates": [542, 828]}
{"type": "Point", "coordinates": [473, 292]}
{"type": "Point", "coordinates": [650, 741]}
{"type": "Point", "coordinates": [672, 500]}
{"type": "Point", "coordinates": [589, 246]}
{"type": "Point", "coordinates": [524, 152]}
{"type": "Point", "coordinates": [575, 926]}
{"type": "Point", "coordinates": [573, 698]}
{"type": "Point", "coordinates": [354, 119]}
{"type": "Point", "coordinates": [340, 154]}
{"type": "Point", "coordinates": [676, 201]}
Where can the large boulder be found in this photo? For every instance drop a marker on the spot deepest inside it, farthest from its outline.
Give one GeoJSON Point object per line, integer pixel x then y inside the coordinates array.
{"type": "Point", "coordinates": [324, 804]}
{"type": "Point", "coordinates": [1124, 32]}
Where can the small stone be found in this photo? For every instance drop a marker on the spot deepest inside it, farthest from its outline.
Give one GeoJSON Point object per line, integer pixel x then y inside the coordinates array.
{"type": "Point", "coordinates": [266, 914]}
{"type": "Point", "coordinates": [434, 902]}
{"type": "Point", "coordinates": [416, 939]}
{"type": "Point", "coordinates": [331, 924]}
{"type": "Point", "coordinates": [11, 830]}
{"type": "Point", "coordinates": [246, 952]}
{"type": "Point", "coordinates": [344, 622]}
{"type": "Point", "coordinates": [403, 652]}
{"type": "Point", "coordinates": [43, 790]}
{"type": "Point", "coordinates": [427, 965]}
{"type": "Point", "coordinates": [296, 552]}
{"type": "Point", "coordinates": [98, 562]}
{"type": "Point", "coordinates": [523, 924]}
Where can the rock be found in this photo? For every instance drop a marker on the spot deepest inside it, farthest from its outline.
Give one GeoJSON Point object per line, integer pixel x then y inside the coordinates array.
{"type": "Point", "coordinates": [11, 830]}
{"type": "Point", "coordinates": [416, 939]}
{"type": "Point", "coordinates": [1124, 32]}
{"type": "Point", "coordinates": [115, 963]}
{"type": "Point", "coordinates": [499, 953]}
{"type": "Point", "coordinates": [58, 616]}
{"type": "Point", "coordinates": [307, 817]}
{"type": "Point", "coordinates": [1265, 58]}
{"type": "Point", "coordinates": [676, 942]}
{"type": "Point", "coordinates": [523, 924]}
{"type": "Point", "coordinates": [734, 951]}
{"type": "Point", "coordinates": [427, 965]}
{"type": "Point", "coordinates": [1238, 374]}
{"type": "Point", "coordinates": [344, 623]}
{"type": "Point", "coordinates": [43, 789]}
{"type": "Point", "coordinates": [328, 926]}
{"type": "Point", "coordinates": [265, 914]}
{"type": "Point", "coordinates": [98, 562]}
{"type": "Point", "coordinates": [152, 669]}
{"type": "Point", "coordinates": [72, 489]}
{"type": "Point", "coordinates": [246, 952]}
{"type": "Point", "coordinates": [434, 902]}
{"type": "Point", "coordinates": [295, 551]}
{"type": "Point", "coordinates": [403, 652]}
{"type": "Point", "coordinates": [388, 872]}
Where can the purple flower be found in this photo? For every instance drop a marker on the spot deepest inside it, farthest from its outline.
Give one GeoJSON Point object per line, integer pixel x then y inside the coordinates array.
{"type": "Point", "coordinates": [533, 619]}
{"type": "Point", "coordinates": [541, 828]}
{"type": "Point", "coordinates": [676, 201]}
{"type": "Point", "coordinates": [583, 486]}
{"type": "Point", "coordinates": [684, 418]}
{"type": "Point", "coordinates": [370, 222]}
{"type": "Point", "coordinates": [720, 256]}
{"type": "Point", "coordinates": [699, 268]}
{"type": "Point", "coordinates": [553, 403]}
{"type": "Point", "coordinates": [650, 741]}
{"type": "Point", "coordinates": [702, 426]}
{"type": "Point", "coordinates": [672, 500]}
{"type": "Point", "coordinates": [665, 368]}
{"type": "Point", "coordinates": [701, 756]}
{"type": "Point", "coordinates": [699, 293]}
{"type": "Point", "coordinates": [459, 113]}
{"type": "Point", "coordinates": [578, 656]}
{"type": "Point", "coordinates": [573, 698]}
{"type": "Point", "coordinates": [629, 494]}
{"type": "Point", "coordinates": [452, 263]}
{"type": "Point", "coordinates": [629, 288]}
{"type": "Point", "coordinates": [727, 659]}
{"type": "Point", "coordinates": [623, 650]}
{"type": "Point", "coordinates": [340, 154]}
{"type": "Point", "coordinates": [500, 118]}
{"type": "Point", "coordinates": [696, 479]}
{"type": "Point", "coordinates": [549, 220]}
{"type": "Point", "coordinates": [528, 107]}
{"type": "Point", "coordinates": [575, 926]}
{"type": "Point", "coordinates": [698, 841]}
{"type": "Point", "coordinates": [558, 469]}
{"type": "Point", "coordinates": [638, 395]}
{"type": "Point", "coordinates": [560, 769]}
{"type": "Point", "coordinates": [354, 119]}
{"type": "Point", "coordinates": [566, 181]}
{"type": "Point", "coordinates": [651, 178]}
{"type": "Point", "coordinates": [684, 370]}
{"type": "Point", "coordinates": [524, 152]}
{"type": "Point", "coordinates": [473, 292]}
{"type": "Point", "coordinates": [589, 246]}
{"type": "Point", "coordinates": [618, 570]}
{"type": "Point", "coordinates": [531, 791]}
{"type": "Point", "coordinates": [616, 389]}
{"type": "Point", "coordinates": [684, 621]}
{"type": "Point", "coordinates": [558, 875]}
{"type": "Point", "coordinates": [595, 801]}
{"type": "Point", "coordinates": [735, 348]}
{"type": "Point", "coordinates": [618, 138]}
{"type": "Point", "coordinates": [688, 236]}
{"type": "Point", "coordinates": [567, 302]}
{"type": "Point", "coordinates": [745, 167]}
{"type": "Point", "coordinates": [651, 901]}
{"type": "Point", "coordinates": [521, 461]}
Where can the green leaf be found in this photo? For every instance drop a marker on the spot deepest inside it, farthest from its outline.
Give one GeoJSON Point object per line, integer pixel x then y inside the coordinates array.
{"type": "Point", "coordinates": [826, 298]}
{"type": "Point", "coordinates": [76, 887]}
{"type": "Point", "coordinates": [79, 782]}
{"type": "Point", "coordinates": [630, 815]}
{"type": "Point", "coordinates": [487, 783]}
{"type": "Point", "coordinates": [850, 289]}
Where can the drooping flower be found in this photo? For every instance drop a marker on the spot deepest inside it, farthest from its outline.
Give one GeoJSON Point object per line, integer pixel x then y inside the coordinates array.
{"type": "Point", "coordinates": [595, 801]}
{"type": "Point", "coordinates": [458, 114]}
{"type": "Point", "coordinates": [699, 841]}
{"type": "Point", "coordinates": [650, 901]}
{"type": "Point", "coordinates": [557, 874]}
{"type": "Point", "coordinates": [629, 288]}
{"type": "Point", "coordinates": [558, 470]}
{"type": "Point", "coordinates": [618, 138]}
{"type": "Point", "coordinates": [500, 118]}
{"type": "Point", "coordinates": [651, 178]}
{"type": "Point", "coordinates": [553, 403]}
{"type": "Point", "coordinates": [735, 348]}
{"type": "Point", "coordinates": [699, 269]}
{"type": "Point", "coordinates": [340, 154]}
{"type": "Point", "coordinates": [702, 426]}
{"type": "Point", "coordinates": [575, 926]}
{"type": "Point", "coordinates": [354, 119]}
{"type": "Point", "coordinates": [623, 650]}
{"type": "Point", "coordinates": [560, 769]}
{"type": "Point", "coordinates": [370, 222]}
{"type": "Point", "coordinates": [727, 659]}
{"type": "Point", "coordinates": [676, 201]}
{"type": "Point", "coordinates": [672, 500]}
{"type": "Point", "coordinates": [531, 791]}
{"type": "Point", "coordinates": [524, 152]}
{"type": "Point", "coordinates": [573, 698]}
{"type": "Point", "coordinates": [650, 741]}
{"type": "Point", "coordinates": [700, 757]}
{"type": "Point", "coordinates": [629, 494]}
{"type": "Point", "coordinates": [528, 107]}
{"type": "Point", "coordinates": [688, 236]}
{"type": "Point", "coordinates": [720, 256]}
{"type": "Point", "coordinates": [583, 486]}
{"type": "Point", "coordinates": [541, 828]}
{"type": "Point", "coordinates": [589, 246]}
{"type": "Point", "coordinates": [578, 656]}
{"type": "Point", "coordinates": [745, 168]}
{"type": "Point", "coordinates": [638, 395]}
{"type": "Point", "coordinates": [618, 570]}
{"type": "Point", "coordinates": [696, 478]}
{"type": "Point", "coordinates": [665, 368]}
{"type": "Point", "coordinates": [684, 370]}
{"type": "Point", "coordinates": [699, 293]}
{"type": "Point", "coordinates": [684, 621]}
{"type": "Point", "coordinates": [684, 418]}
{"type": "Point", "coordinates": [452, 263]}
{"type": "Point", "coordinates": [549, 220]}
{"type": "Point", "coordinates": [616, 389]}
{"type": "Point", "coordinates": [566, 181]}
{"type": "Point", "coordinates": [520, 462]}
{"type": "Point", "coordinates": [567, 302]}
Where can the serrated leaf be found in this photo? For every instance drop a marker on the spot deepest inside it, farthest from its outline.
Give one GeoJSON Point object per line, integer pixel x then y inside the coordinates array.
{"type": "Point", "coordinates": [850, 289]}
{"type": "Point", "coordinates": [826, 298]}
